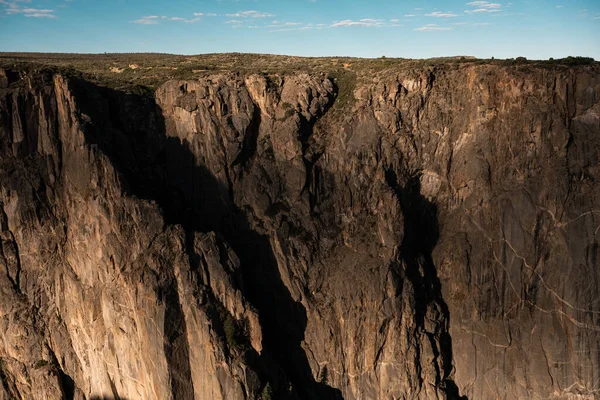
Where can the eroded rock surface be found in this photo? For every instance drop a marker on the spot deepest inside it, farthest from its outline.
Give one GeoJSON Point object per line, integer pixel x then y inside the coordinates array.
{"type": "Point", "coordinates": [424, 234]}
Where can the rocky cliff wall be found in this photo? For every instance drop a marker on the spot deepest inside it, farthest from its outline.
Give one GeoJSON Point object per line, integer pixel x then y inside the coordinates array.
{"type": "Point", "coordinates": [429, 233]}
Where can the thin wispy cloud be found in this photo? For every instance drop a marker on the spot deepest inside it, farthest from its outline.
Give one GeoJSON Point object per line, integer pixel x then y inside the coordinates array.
{"type": "Point", "coordinates": [483, 7]}
{"type": "Point", "coordinates": [365, 22]}
{"type": "Point", "coordinates": [433, 27]}
{"type": "Point", "coordinates": [154, 20]}
{"type": "Point", "coordinates": [279, 24]}
{"type": "Point", "coordinates": [147, 20]}
{"type": "Point", "coordinates": [361, 22]}
{"type": "Point", "coordinates": [250, 14]}
{"type": "Point", "coordinates": [299, 28]}
{"type": "Point", "coordinates": [13, 8]}
{"type": "Point", "coordinates": [484, 4]}
{"type": "Point", "coordinates": [13, 3]}
{"type": "Point", "coordinates": [188, 21]}
{"type": "Point", "coordinates": [439, 14]}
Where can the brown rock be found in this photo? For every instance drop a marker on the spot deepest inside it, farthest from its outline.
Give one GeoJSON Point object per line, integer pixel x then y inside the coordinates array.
{"type": "Point", "coordinates": [433, 235]}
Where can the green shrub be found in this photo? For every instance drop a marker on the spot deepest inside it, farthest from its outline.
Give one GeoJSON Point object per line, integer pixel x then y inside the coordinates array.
{"type": "Point", "coordinates": [324, 375]}
{"type": "Point", "coordinates": [267, 392]}
{"type": "Point", "coordinates": [345, 82]}
{"type": "Point", "coordinates": [572, 61]}
{"type": "Point", "coordinates": [231, 331]}
{"type": "Point", "coordinates": [40, 364]}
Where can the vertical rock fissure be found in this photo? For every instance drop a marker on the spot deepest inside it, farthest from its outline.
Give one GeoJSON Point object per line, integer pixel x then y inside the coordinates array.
{"type": "Point", "coordinates": [421, 233]}
{"type": "Point", "coordinates": [250, 139]}
{"type": "Point", "coordinates": [7, 240]}
{"type": "Point", "coordinates": [176, 345]}
{"type": "Point", "coordinates": [282, 319]}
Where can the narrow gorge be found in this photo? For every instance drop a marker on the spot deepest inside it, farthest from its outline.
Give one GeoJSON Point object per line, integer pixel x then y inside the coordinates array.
{"type": "Point", "coordinates": [420, 233]}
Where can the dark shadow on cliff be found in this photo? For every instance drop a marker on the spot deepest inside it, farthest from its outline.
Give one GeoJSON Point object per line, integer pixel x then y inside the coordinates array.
{"type": "Point", "coordinates": [130, 130]}
{"type": "Point", "coordinates": [421, 234]}
{"type": "Point", "coordinates": [107, 398]}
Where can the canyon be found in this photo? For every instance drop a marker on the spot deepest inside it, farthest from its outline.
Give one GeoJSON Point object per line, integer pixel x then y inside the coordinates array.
{"type": "Point", "coordinates": [414, 232]}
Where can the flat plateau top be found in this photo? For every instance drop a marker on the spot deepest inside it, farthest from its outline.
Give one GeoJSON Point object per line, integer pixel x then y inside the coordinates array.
{"type": "Point", "coordinates": [149, 70]}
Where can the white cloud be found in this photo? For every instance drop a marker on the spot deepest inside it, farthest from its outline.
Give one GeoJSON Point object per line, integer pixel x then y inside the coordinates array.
{"type": "Point", "coordinates": [360, 22]}
{"type": "Point", "coordinates": [480, 10]}
{"type": "Point", "coordinates": [283, 23]}
{"type": "Point", "coordinates": [40, 15]}
{"type": "Point", "coordinates": [484, 4]}
{"type": "Point", "coordinates": [204, 14]}
{"type": "Point", "coordinates": [302, 28]}
{"type": "Point", "coordinates": [433, 27]}
{"type": "Point", "coordinates": [155, 19]}
{"type": "Point", "coordinates": [13, 8]}
{"type": "Point", "coordinates": [13, 2]}
{"type": "Point", "coordinates": [250, 14]}
{"type": "Point", "coordinates": [147, 20]}
{"type": "Point", "coordinates": [438, 14]}
{"type": "Point", "coordinates": [483, 7]}
{"type": "Point", "coordinates": [187, 21]}
{"type": "Point", "coordinates": [560, 6]}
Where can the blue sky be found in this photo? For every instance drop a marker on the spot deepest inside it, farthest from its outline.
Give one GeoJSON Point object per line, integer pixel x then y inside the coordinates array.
{"type": "Point", "coordinates": [537, 29]}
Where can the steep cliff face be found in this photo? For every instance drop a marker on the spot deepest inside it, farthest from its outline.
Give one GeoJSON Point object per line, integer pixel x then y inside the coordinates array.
{"type": "Point", "coordinates": [418, 234]}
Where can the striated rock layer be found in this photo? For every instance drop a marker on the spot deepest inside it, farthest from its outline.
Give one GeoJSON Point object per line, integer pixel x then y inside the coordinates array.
{"type": "Point", "coordinates": [423, 234]}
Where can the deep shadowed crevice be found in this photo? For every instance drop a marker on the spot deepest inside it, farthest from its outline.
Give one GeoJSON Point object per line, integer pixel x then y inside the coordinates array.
{"type": "Point", "coordinates": [283, 320]}
{"type": "Point", "coordinates": [250, 139]}
{"type": "Point", "coordinates": [67, 384]}
{"type": "Point", "coordinates": [176, 345]}
{"type": "Point", "coordinates": [12, 76]}
{"type": "Point", "coordinates": [421, 234]}
{"type": "Point", "coordinates": [130, 130]}
{"type": "Point", "coordinates": [310, 157]}
{"type": "Point", "coordinates": [5, 382]}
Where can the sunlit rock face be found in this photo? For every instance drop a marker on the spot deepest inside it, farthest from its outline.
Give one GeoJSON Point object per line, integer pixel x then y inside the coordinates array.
{"type": "Point", "coordinates": [431, 233]}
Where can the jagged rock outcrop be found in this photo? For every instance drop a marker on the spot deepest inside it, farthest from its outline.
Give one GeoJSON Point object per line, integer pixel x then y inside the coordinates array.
{"type": "Point", "coordinates": [418, 234]}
